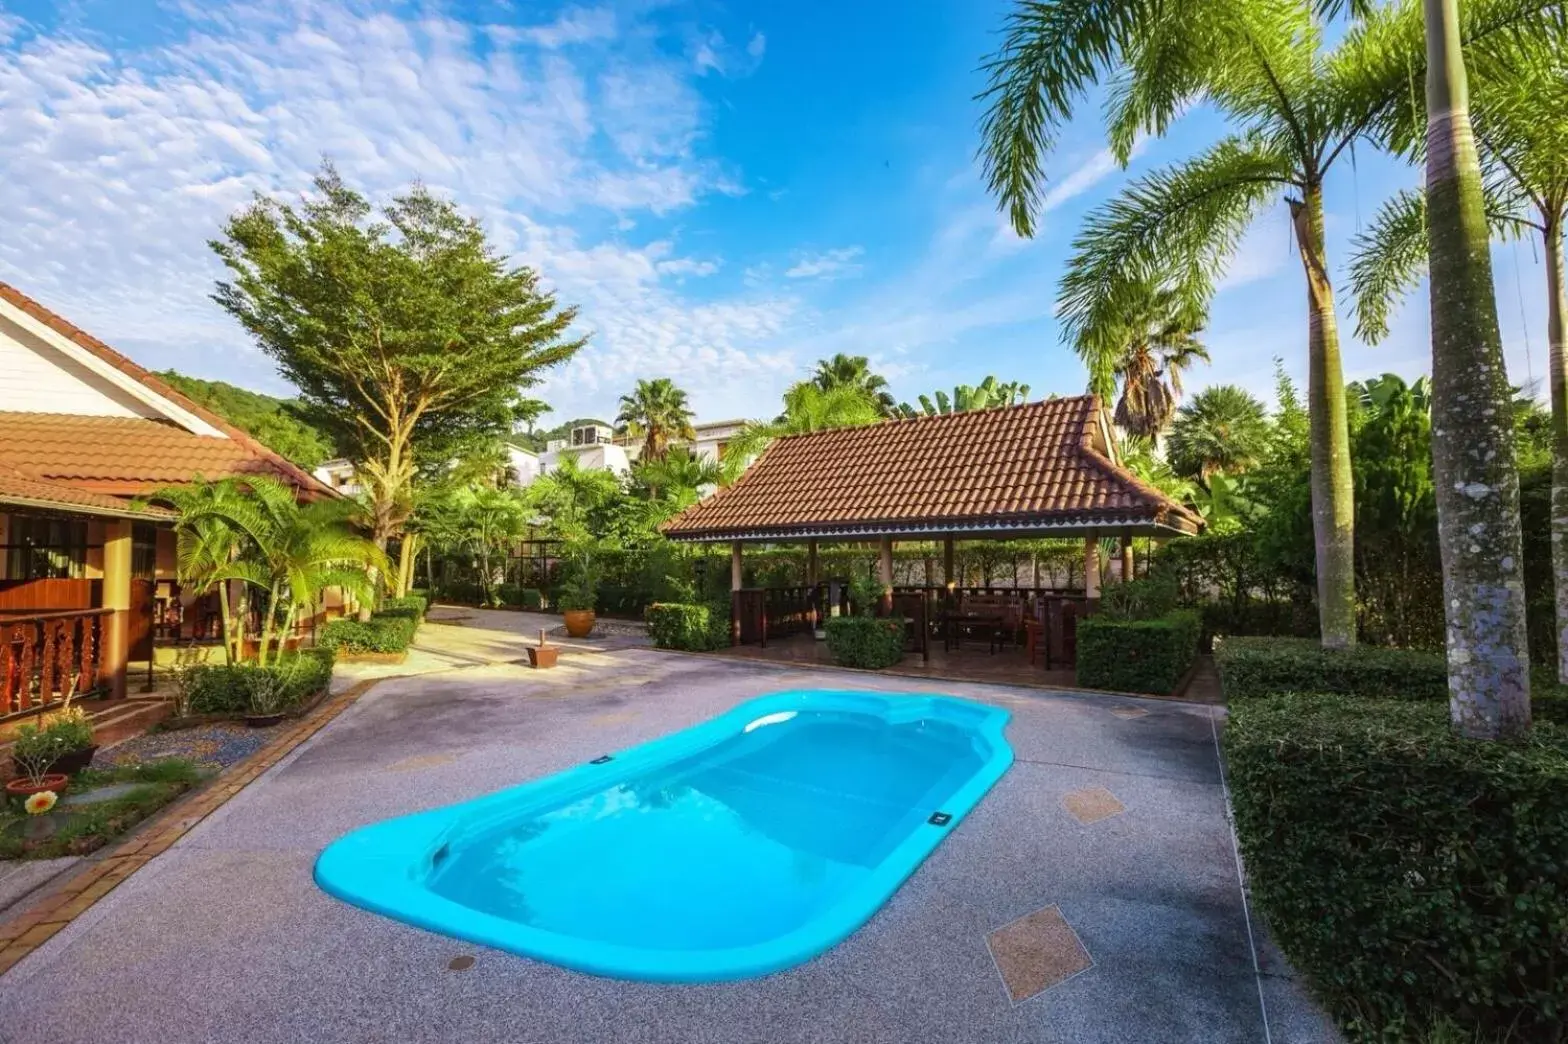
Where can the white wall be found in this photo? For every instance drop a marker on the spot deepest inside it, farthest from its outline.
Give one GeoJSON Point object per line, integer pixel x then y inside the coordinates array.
{"type": "Point", "coordinates": [35, 378]}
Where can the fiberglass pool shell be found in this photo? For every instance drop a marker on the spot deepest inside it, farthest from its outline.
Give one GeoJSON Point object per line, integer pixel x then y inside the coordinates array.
{"type": "Point", "coordinates": [738, 847]}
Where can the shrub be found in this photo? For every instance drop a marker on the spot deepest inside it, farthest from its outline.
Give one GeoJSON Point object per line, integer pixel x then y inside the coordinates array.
{"type": "Point", "coordinates": [221, 688]}
{"type": "Point", "coordinates": [1264, 666]}
{"type": "Point", "coordinates": [866, 641]}
{"type": "Point", "coordinates": [411, 606]}
{"type": "Point", "coordinates": [72, 727]}
{"type": "Point", "coordinates": [522, 597]}
{"type": "Point", "coordinates": [694, 627]}
{"type": "Point", "coordinates": [379, 634]}
{"type": "Point", "coordinates": [1137, 655]}
{"type": "Point", "coordinates": [1409, 873]}
{"type": "Point", "coordinates": [1147, 598]}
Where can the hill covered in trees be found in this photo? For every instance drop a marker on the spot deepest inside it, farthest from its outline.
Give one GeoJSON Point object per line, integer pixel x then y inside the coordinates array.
{"type": "Point", "coordinates": [276, 423]}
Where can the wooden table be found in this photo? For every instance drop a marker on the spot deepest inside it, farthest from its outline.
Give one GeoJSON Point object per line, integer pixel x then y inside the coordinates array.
{"type": "Point", "coordinates": [992, 625]}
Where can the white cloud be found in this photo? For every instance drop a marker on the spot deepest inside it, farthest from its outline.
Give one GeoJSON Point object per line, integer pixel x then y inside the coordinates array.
{"type": "Point", "coordinates": [831, 264]}
{"type": "Point", "coordinates": [1085, 176]}
{"type": "Point", "coordinates": [757, 47]}
{"type": "Point", "coordinates": [120, 165]}
{"type": "Point", "coordinates": [1263, 252]}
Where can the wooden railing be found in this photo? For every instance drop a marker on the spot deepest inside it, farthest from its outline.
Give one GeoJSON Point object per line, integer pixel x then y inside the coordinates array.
{"type": "Point", "coordinates": [45, 656]}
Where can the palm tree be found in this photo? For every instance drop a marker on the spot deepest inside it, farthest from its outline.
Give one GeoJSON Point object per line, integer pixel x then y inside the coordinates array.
{"type": "Point", "coordinates": [808, 407]}
{"type": "Point", "coordinates": [1223, 430]}
{"type": "Point", "coordinates": [678, 477]}
{"type": "Point", "coordinates": [206, 545]}
{"type": "Point", "coordinates": [656, 411]}
{"type": "Point", "coordinates": [988, 394]}
{"type": "Point", "coordinates": [289, 551]}
{"type": "Point", "coordinates": [1145, 349]}
{"type": "Point", "coordinates": [1296, 107]}
{"type": "Point", "coordinates": [1520, 88]}
{"type": "Point", "coordinates": [854, 370]}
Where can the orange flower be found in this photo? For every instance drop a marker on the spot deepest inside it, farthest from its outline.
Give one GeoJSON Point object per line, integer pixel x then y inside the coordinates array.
{"type": "Point", "coordinates": [41, 802]}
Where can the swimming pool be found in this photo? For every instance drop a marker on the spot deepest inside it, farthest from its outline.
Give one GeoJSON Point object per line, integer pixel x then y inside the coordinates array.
{"type": "Point", "coordinates": [735, 848]}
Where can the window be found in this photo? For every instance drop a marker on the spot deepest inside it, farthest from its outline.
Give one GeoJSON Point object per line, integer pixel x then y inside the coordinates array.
{"type": "Point", "coordinates": [45, 549]}
{"type": "Point", "coordinates": [144, 550]}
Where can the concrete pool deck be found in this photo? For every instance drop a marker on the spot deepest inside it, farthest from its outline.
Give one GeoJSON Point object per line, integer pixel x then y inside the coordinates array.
{"type": "Point", "coordinates": [1092, 896]}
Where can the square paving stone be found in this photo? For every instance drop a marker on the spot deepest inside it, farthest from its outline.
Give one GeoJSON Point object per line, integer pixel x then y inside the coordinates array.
{"type": "Point", "coordinates": [1036, 952]}
{"type": "Point", "coordinates": [1092, 804]}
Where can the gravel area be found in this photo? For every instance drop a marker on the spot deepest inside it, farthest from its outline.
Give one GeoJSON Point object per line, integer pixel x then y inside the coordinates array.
{"type": "Point", "coordinates": [213, 746]}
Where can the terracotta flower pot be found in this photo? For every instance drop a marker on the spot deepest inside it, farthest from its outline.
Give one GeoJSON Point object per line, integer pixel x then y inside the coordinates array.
{"type": "Point", "coordinates": [543, 655]}
{"type": "Point", "coordinates": [25, 787]}
{"type": "Point", "coordinates": [579, 622]}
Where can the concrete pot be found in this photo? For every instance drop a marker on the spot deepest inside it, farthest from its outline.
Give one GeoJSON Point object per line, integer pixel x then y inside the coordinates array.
{"type": "Point", "coordinates": [543, 655]}
{"type": "Point", "coordinates": [579, 622]}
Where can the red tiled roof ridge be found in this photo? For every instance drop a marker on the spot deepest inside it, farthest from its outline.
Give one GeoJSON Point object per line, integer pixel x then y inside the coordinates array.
{"type": "Point", "coordinates": [76, 335]}
{"type": "Point", "coordinates": [924, 418]}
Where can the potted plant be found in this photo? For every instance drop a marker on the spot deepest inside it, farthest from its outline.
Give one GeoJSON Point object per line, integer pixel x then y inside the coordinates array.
{"type": "Point", "coordinates": [34, 753]}
{"type": "Point", "coordinates": [544, 655]}
{"type": "Point", "coordinates": [74, 730]}
{"type": "Point", "coordinates": [579, 595]}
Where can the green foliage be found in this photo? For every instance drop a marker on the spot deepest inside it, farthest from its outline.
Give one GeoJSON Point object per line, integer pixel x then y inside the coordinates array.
{"type": "Point", "coordinates": [807, 407]}
{"type": "Point", "coordinates": [1408, 873]}
{"type": "Point", "coordinates": [865, 641]}
{"type": "Point", "coordinates": [696, 628]}
{"type": "Point", "coordinates": [855, 371]}
{"type": "Point", "coordinates": [90, 826]}
{"type": "Point", "coordinates": [411, 606]}
{"type": "Point", "coordinates": [987, 395]}
{"type": "Point", "coordinates": [379, 634]}
{"type": "Point", "coordinates": [226, 688]}
{"type": "Point", "coordinates": [278, 424]}
{"type": "Point", "coordinates": [408, 334]}
{"type": "Point", "coordinates": [1141, 599]}
{"type": "Point", "coordinates": [1251, 667]}
{"type": "Point", "coordinates": [1137, 655]}
{"type": "Point", "coordinates": [1223, 430]}
{"type": "Point", "coordinates": [866, 594]}
{"type": "Point", "coordinates": [521, 597]}
{"type": "Point", "coordinates": [656, 411]}
{"type": "Point", "coordinates": [579, 587]}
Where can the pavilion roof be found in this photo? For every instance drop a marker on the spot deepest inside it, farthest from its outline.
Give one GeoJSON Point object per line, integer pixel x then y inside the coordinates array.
{"type": "Point", "coordinates": [1037, 469]}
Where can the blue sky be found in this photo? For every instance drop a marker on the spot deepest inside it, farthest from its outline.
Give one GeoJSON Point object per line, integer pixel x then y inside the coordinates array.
{"type": "Point", "coordinates": [729, 191]}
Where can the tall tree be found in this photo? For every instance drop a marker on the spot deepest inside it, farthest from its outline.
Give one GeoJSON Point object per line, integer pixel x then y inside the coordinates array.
{"type": "Point", "coordinates": [854, 370]}
{"type": "Point", "coordinates": [657, 412]}
{"type": "Point", "coordinates": [1472, 417]}
{"type": "Point", "coordinates": [1144, 348]}
{"type": "Point", "coordinates": [1519, 93]}
{"type": "Point", "coordinates": [407, 333]}
{"type": "Point", "coordinates": [1222, 431]}
{"type": "Point", "coordinates": [807, 407]}
{"type": "Point", "coordinates": [1296, 106]}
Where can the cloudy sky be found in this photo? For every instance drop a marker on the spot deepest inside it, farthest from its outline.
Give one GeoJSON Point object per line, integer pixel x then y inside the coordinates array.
{"type": "Point", "coordinates": [729, 191]}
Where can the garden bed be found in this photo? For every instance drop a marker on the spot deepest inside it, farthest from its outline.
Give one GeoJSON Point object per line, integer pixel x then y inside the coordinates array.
{"type": "Point", "coordinates": [75, 827]}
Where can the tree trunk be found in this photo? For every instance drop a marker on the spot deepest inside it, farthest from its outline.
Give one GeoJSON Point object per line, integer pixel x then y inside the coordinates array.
{"type": "Point", "coordinates": [1557, 338]}
{"type": "Point", "coordinates": [1472, 416]}
{"type": "Point", "coordinates": [1333, 490]}
{"type": "Point", "coordinates": [231, 654]}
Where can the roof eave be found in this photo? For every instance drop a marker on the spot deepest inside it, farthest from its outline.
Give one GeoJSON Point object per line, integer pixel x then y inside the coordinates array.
{"type": "Point", "coordinates": [1109, 523]}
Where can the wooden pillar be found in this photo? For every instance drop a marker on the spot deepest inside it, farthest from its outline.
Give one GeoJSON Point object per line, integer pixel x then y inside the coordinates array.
{"type": "Point", "coordinates": [1127, 562]}
{"type": "Point", "coordinates": [885, 573]}
{"type": "Point", "coordinates": [811, 563]}
{"type": "Point", "coordinates": [735, 583]}
{"type": "Point", "coordinates": [115, 637]}
{"type": "Point", "coordinates": [735, 566]}
{"type": "Point", "coordinates": [1091, 568]}
{"type": "Point", "coordinates": [947, 559]}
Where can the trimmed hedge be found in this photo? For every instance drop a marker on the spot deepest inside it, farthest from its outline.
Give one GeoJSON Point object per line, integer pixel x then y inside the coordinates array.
{"type": "Point", "coordinates": [1265, 666]}
{"type": "Point", "coordinates": [411, 606]}
{"type": "Point", "coordinates": [1137, 655]}
{"type": "Point", "coordinates": [695, 628]}
{"type": "Point", "coordinates": [866, 641]}
{"type": "Point", "coordinates": [380, 634]}
{"type": "Point", "coordinates": [220, 688]}
{"type": "Point", "coordinates": [1410, 874]}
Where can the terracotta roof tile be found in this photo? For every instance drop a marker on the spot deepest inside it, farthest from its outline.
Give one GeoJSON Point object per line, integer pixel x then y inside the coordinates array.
{"type": "Point", "coordinates": [274, 463]}
{"type": "Point", "coordinates": [128, 456]}
{"type": "Point", "coordinates": [1021, 468]}
{"type": "Point", "coordinates": [19, 489]}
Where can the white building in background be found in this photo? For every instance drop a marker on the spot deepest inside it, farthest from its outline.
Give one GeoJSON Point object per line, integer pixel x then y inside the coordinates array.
{"type": "Point", "coordinates": [597, 447]}
{"type": "Point", "coordinates": [339, 474]}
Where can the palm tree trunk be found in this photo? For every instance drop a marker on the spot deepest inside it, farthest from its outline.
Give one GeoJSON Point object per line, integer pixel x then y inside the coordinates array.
{"type": "Point", "coordinates": [1472, 417]}
{"type": "Point", "coordinates": [266, 626]}
{"type": "Point", "coordinates": [231, 652]}
{"type": "Point", "coordinates": [1557, 338]}
{"type": "Point", "coordinates": [1333, 491]}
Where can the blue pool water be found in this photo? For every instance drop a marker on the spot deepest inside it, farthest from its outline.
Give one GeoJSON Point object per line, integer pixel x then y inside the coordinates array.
{"type": "Point", "coordinates": [737, 847]}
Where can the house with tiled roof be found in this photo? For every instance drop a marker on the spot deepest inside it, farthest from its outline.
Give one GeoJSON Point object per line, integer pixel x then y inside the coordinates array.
{"type": "Point", "coordinates": [87, 568]}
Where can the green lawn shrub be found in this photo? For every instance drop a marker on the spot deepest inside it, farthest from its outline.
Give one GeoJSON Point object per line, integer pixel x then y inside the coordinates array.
{"type": "Point", "coordinates": [412, 606]}
{"type": "Point", "coordinates": [520, 597]}
{"type": "Point", "coordinates": [1410, 874]}
{"type": "Point", "coordinates": [694, 627]}
{"type": "Point", "coordinates": [1264, 666]}
{"type": "Point", "coordinates": [379, 634]}
{"type": "Point", "coordinates": [221, 688]}
{"type": "Point", "coordinates": [1137, 655]}
{"type": "Point", "coordinates": [866, 641]}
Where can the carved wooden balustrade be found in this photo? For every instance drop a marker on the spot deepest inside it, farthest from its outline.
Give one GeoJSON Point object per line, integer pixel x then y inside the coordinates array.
{"type": "Point", "coordinates": [45, 655]}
